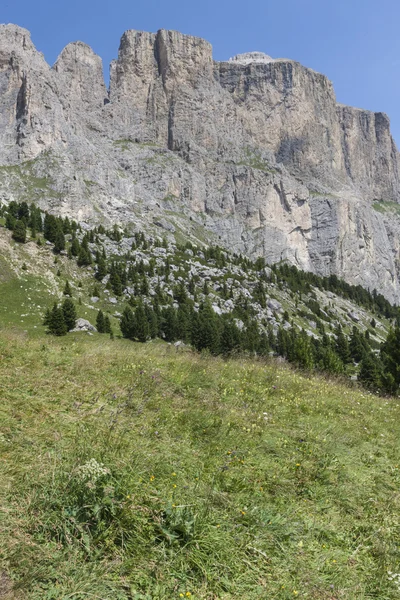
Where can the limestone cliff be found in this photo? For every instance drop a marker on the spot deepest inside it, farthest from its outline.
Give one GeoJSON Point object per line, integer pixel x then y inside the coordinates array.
{"type": "Point", "coordinates": [254, 152]}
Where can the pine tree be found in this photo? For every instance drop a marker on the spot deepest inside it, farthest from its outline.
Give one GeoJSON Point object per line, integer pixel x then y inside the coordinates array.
{"type": "Point", "coordinates": [75, 246]}
{"type": "Point", "coordinates": [101, 270]}
{"type": "Point", "coordinates": [371, 372]}
{"type": "Point", "coordinates": [19, 232]}
{"type": "Point", "coordinates": [358, 345]}
{"type": "Point", "coordinates": [141, 332]}
{"type": "Point", "coordinates": [47, 317]}
{"type": "Point", "coordinates": [100, 325]}
{"type": "Point", "coordinates": [208, 330]}
{"type": "Point", "coordinates": [59, 241]}
{"type": "Point", "coordinates": [230, 337]}
{"type": "Point", "coordinates": [107, 325]}
{"type": "Point", "coordinates": [342, 345]}
{"type": "Point", "coordinates": [390, 355]}
{"type": "Point", "coordinates": [84, 257]}
{"type": "Point", "coordinates": [127, 323]}
{"type": "Point", "coordinates": [69, 312]}
{"type": "Point", "coordinates": [67, 289]}
{"type": "Point", "coordinates": [56, 325]}
{"type": "Point", "coordinates": [10, 221]}
{"type": "Point", "coordinates": [116, 284]}
{"type": "Point", "coordinates": [50, 228]}
{"type": "Point", "coordinates": [169, 324]}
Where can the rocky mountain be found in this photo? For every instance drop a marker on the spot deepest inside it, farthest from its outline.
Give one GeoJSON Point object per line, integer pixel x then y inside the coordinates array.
{"type": "Point", "coordinates": [254, 153]}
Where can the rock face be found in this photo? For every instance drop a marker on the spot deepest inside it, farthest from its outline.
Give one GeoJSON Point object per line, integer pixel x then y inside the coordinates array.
{"type": "Point", "coordinates": [254, 153]}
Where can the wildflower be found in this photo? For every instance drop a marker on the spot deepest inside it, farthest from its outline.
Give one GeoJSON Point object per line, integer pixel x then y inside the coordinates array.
{"type": "Point", "coordinates": [152, 478]}
{"type": "Point", "coordinates": [173, 474]}
{"type": "Point", "coordinates": [174, 485]}
{"type": "Point", "coordinates": [243, 512]}
{"type": "Point", "coordinates": [92, 471]}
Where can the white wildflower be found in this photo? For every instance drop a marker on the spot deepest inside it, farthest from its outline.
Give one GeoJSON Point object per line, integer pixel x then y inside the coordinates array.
{"type": "Point", "coordinates": [92, 471]}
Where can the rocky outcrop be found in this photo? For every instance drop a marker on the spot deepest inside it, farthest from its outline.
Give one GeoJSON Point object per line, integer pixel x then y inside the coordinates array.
{"type": "Point", "coordinates": [254, 153]}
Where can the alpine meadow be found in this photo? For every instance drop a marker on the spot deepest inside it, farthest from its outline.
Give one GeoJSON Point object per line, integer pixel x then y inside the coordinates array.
{"type": "Point", "coordinates": [199, 329]}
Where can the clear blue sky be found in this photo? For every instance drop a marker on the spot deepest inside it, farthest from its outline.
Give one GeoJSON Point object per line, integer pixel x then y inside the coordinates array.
{"type": "Point", "coordinates": [354, 42]}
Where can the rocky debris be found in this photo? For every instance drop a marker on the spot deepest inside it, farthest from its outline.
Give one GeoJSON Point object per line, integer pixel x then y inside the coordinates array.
{"type": "Point", "coordinates": [253, 153]}
{"type": "Point", "coordinates": [83, 325]}
{"type": "Point", "coordinates": [274, 305]}
{"type": "Point", "coordinates": [354, 317]}
{"type": "Point", "coordinates": [164, 224]}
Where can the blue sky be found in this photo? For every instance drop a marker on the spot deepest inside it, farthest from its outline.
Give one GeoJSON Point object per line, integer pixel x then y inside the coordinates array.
{"type": "Point", "coordinates": [354, 42]}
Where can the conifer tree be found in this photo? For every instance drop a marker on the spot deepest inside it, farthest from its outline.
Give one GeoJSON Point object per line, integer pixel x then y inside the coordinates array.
{"type": "Point", "coordinates": [50, 228]}
{"type": "Point", "coordinates": [101, 270]}
{"type": "Point", "coordinates": [100, 324]}
{"type": "Point", "coordinates": [371, 372]}
{"type": "Point", "coordinates": [69, 312]}
{"type": "Point", "coordinates": [56, 325]}
{"type": "Point", "coordinates": [59, 241]}
{"type": "Point", "coordinates": [19, 232]}
{"type": "Point", "coordinates": [342, 345]}
{"type": "Point", "coordinates": [75, 246]}
{"type": "Point", "coordinates": [127, 323]}
{"type": "Point", "coordinates": [390, 355]}
{"type": "Point", "coordinates": [84, 257]}
{"type": "Point", "coordinates": [107, 325]}
{"type": "Point", "coordinates": [10, 221]}
{"type": "Point", "coordinates": [67, 289]}
{"type": "Point", "coordinates": [141, 326]}
{"type": "Point", "coordinates": [169, 324]}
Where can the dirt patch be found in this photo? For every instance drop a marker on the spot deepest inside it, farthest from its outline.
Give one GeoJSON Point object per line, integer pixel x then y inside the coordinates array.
{"type": "Point", "coordinates": [5, 587]}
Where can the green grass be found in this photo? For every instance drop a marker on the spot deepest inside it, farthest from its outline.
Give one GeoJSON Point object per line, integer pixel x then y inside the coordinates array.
{"type": "Point", "coordinates": [386, 206]}
{"type": "Point", "coordinates": [225, 479]}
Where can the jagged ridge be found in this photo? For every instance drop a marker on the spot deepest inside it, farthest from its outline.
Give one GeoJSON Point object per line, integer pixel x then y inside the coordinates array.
{"type": "Point", "coordinates": [258, 154]}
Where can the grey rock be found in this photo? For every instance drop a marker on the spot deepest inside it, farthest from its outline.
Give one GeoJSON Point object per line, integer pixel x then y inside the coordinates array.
{"type": "Point", "coordinates": [217, 309]}
{"type": "Point", "coordinates": [354, 317]}
{"type": "Point", "coordinates": [83, 325]}
{"type": "Point", "coordinates": [274, 305]}
{"type": "Point", "coordinates": [113, 301]}
{"type": "Point", "coordinates": [94, 299]}
{"type": "Point", "coordinates": [164, 224]}
{"type": "Point", "coordinates": [254, 153]}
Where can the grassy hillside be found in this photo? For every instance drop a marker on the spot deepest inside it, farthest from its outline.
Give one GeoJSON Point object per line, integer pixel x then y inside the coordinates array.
{"type": "Point", "coordinates": [213, 479]}
{"type": "Point", "coordinates": [142, 471]}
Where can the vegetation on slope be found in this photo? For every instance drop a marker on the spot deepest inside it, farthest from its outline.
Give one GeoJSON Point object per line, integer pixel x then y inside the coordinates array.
{"type": "Point", "coordinates": [136, 471]}
{"type": "Point", "coordinates": [139, 471]}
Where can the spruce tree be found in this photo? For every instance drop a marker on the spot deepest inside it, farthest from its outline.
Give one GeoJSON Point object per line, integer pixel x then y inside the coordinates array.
{"type": "Point", "coordinates": [100, 325]}
{"type": "Point", "coordinates": [84, 257]}
{"type": "Point", "coordinates": [59, 241]}
{"type": "Point", "coordinates": [69, 312]}
{"type": "Point", "coordinates": [19, 232]}
{"type": "Point", "coordinates": [75, 246]}
{"type": "Point", "coordinates": [107, 325]}
{"type": "Point", "coordinates": [56, 325]}
{"type": "Point", "coordinates": [371, 372]}
{"type": "Point", "coordinates": [67, 289]}
{"type": "Point", "coordinates": [141, 326]}
{"type": "Point", "coordinates": [127, 323]}
{"type": "Point", "coordinates": [50, 228]}
{"type": "Point", "coordinates": [342, 345]}
{"type": "Point", "coordinates": [101, 270]}
{"type": "Point", "coordinates": [390, 355]}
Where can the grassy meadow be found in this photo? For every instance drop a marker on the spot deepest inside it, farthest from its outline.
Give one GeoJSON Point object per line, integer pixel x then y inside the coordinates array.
{"type": "Point", "coordinates": [136, 471]}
